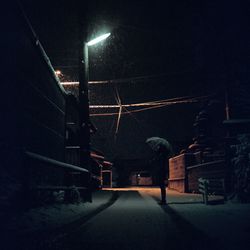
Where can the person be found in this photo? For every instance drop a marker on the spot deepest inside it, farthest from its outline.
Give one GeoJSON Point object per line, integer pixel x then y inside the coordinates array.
{"type": "Point", "coordinates": [161, 160]}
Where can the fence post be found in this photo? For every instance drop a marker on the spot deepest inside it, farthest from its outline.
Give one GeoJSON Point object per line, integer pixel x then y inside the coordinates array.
{"type": "Point", "coordinates": [203, 188]}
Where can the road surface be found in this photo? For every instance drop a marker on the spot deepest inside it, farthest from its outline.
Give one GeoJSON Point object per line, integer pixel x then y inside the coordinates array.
{"type": "Point", "coordinates": [135, 221]}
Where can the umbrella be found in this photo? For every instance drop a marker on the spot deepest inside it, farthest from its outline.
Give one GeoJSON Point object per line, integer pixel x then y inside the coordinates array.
{"type": "Point", "coordinates": [156, 142]}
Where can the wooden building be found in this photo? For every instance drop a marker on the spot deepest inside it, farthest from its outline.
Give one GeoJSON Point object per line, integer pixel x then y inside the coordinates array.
{"type": "Point", "coordinates": [32, 112]}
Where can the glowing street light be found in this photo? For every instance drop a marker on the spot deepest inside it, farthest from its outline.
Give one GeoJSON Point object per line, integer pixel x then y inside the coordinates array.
{"type": "Point", "coordinates": [98, 39]}
{"type": "Point", "coordinates": [84, 104]}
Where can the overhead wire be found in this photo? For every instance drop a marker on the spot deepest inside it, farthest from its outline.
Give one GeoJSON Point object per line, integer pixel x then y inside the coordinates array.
{"type": "Point", "coordinates": [127, 112]}
{"type": "Point", "coordinates": [129, 79]}
{"type": "Point", "coordinates": [141, 109]}
{"type": "Point", "coordinates": [120, 110]}
{"type": "Point", "coordinates": [151, 103]}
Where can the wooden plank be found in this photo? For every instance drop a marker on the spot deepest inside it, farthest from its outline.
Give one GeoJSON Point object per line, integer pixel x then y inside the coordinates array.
{"type": "Point", "coordinates": [55, 162]}
{"type": "Point", "coordinates": [206, 164]}
{"type": "Point", "coordinates": [176, 179]}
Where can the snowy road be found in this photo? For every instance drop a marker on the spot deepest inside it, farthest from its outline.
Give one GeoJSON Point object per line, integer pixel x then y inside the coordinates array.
{"type": "Point", "coordinates": [135, 221]}
{"type": "Point", "coordinates": [130, 218]}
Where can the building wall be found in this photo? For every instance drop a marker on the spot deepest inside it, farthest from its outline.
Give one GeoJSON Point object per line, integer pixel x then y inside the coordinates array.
{"type": "Point", "coordinates": [186, 169]}
{"type": "Point", "coordinates": [211, 170]}
{"type": "Point", "coordinates": [177, 172]}
{"type": "Point", "coordinates": [32, 109]}
{"type": "Point", "coordinates": [32, 101]}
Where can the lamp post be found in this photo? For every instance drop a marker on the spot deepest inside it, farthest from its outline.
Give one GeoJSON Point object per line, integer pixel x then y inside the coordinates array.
{"type": "Point", "coordinates": [84, 104]}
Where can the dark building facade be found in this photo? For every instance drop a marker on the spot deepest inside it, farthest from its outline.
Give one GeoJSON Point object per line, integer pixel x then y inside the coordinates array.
{"type": "Point", "coordinates": [32, 114]}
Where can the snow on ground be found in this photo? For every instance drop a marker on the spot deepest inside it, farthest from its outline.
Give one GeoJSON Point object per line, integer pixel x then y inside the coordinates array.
{"type": "Point", "coordinates": [53, 216]}
{"type": "Point", "coordinates": [227, 223]}
{"type": "Point", "coordinates": [44, 217]}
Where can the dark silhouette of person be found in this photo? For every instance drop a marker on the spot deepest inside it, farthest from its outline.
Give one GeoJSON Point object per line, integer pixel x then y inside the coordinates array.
{"type": "Point", "coordinates": [161, 161]}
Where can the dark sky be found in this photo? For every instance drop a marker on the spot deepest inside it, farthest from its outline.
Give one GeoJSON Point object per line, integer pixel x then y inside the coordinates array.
{"type": "Point", "coordinates": [191, 47]}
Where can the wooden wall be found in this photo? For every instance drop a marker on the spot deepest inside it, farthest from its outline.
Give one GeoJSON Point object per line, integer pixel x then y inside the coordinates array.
{"type": "Point", "coordinates": [32, 100]}
{"type": "Point", "coordinates": [186, 169]}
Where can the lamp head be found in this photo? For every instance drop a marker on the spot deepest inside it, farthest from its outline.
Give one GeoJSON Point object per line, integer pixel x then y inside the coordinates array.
{"type": "Point", "coordinates": [98, 39]}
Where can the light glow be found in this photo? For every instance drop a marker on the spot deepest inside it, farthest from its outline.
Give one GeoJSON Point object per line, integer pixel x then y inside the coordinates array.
{"type": "Point", "coordinates": [98, 39]}
{"type": "Point", "coordinates": [58, 72]}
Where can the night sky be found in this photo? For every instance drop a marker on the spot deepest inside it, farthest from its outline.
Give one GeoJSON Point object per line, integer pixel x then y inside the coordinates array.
{"type": "Point", "coordinates": [182, 48]}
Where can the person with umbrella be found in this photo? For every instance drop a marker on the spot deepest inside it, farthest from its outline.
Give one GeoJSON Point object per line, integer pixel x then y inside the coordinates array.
{"type": "Point", "coordinates": [163, 151]}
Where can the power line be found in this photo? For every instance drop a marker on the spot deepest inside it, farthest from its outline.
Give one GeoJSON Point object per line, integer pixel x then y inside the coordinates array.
{"type": "Point", "coordinates": [126, 112]}
{"type": "Point", "coordinates": [146, 108]}
{"type": "Point", "coordinates": [130, 79]}
{"type": "Point", "coordinates": [176, 100]}
{"type": "Point", "coordinates": [118, 100]}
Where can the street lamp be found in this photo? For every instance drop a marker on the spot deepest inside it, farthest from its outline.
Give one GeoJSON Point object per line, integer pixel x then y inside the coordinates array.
{"type": "Point", "coordinates": [84, 104]}
{"type": "Point", "coordinates": [98, 39]}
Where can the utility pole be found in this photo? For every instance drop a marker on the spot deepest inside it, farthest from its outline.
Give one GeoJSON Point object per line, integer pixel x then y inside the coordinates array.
{"type": "Point", "coordinates": [84, 120]}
